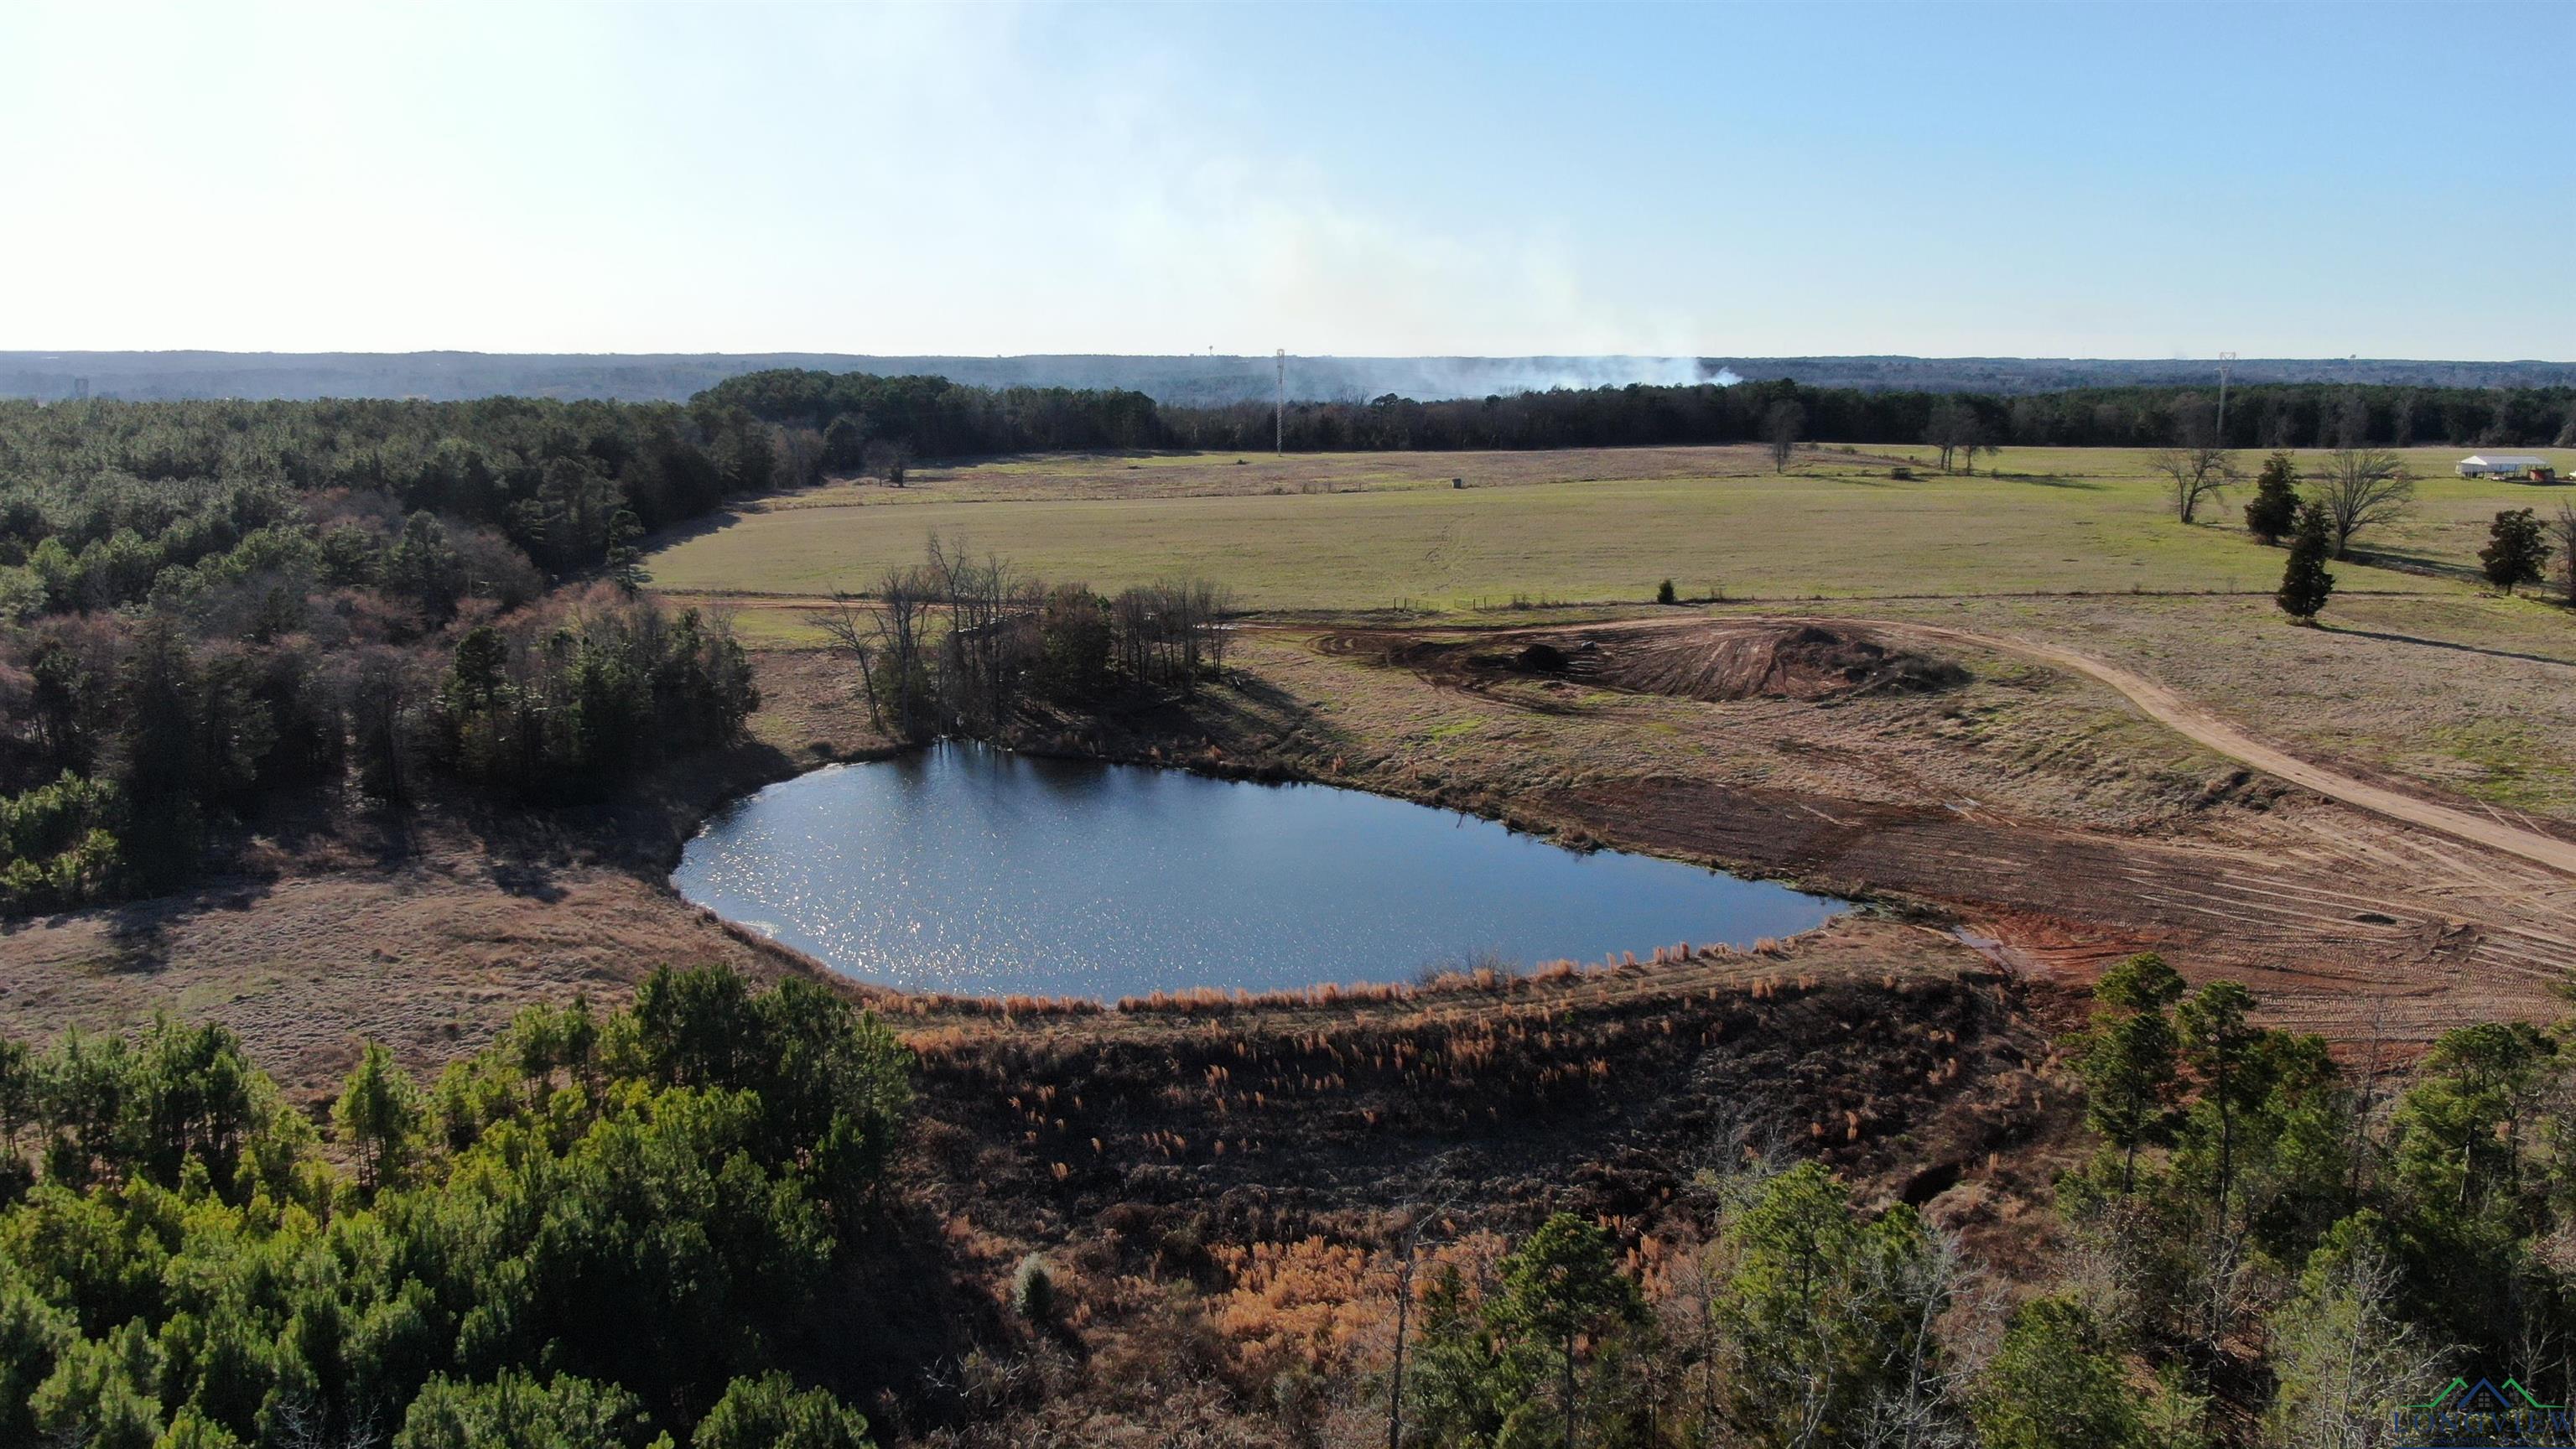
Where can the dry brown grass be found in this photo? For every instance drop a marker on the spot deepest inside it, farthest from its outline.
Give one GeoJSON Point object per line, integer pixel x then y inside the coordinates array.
{"type": "Point", "coordinates": [2469, 696]}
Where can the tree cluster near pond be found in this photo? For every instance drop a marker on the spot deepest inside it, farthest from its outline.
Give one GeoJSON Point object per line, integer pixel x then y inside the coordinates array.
{"type": "Point", "coordinates": [959, 640]}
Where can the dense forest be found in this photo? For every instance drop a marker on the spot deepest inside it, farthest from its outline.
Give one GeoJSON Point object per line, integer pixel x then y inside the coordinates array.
{"type": "Point", "coordinates": [210, 604]}
{"type": "Point", "coordinates": [933, 416]}
{"type": "Point", "coordinates": [654, 1227]}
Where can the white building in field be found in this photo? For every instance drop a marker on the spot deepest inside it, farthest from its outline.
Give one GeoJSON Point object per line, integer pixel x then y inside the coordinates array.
{"type": "Point", "coordinates": [2504, 465]}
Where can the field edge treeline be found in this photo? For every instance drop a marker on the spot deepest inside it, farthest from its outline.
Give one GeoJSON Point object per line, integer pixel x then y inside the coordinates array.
{"type": "Point", "coordinates": [842, 415]}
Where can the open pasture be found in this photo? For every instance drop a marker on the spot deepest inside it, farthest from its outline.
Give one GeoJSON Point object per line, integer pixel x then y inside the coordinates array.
{"type": "Point", "coordinates": [1364, 531]}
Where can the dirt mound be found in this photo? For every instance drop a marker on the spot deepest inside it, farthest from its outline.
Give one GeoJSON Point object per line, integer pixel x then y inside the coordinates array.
{"type": "Point", "coordinates": [1719, 660]}
{"type": "Point", "coordinates": [1774, 662]}
{"type": "Point", "coordinates": [1742, 661]}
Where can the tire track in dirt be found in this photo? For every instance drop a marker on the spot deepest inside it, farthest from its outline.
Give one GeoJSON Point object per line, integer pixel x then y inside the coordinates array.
{"type": "Point", "coordinates": [2348, 918]}
{"type": "Point", "coordinates": [2212, 733]}
{"type": "Point", "coordinates": [2477, 826]}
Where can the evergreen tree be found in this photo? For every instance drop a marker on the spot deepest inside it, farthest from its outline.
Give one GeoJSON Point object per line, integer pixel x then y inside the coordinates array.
{"type": "Point", "coordinates": [2129, 1058]}
{"type": "Point", "coordinates": [2221, 1045]}
{"type": "Point", "coordinates": [2274, 509]}
{"type": "Point", "coordinates": [379, 1115]}
{"type": "Point", "coordinates": [2516, 552]}
{"type": "Point", "coordinates": [1564, 1285]}
{"type": "Point", "coordinates": [1825, 1312]}
{"type": "Point", "coordinates": [2305, 584]}
{"type": "Point", "coordinates": [516, 1411]}
{"type": "Point", "coordinates": [2055, 1383]}
{"type": "Point", "coordinates": [768, 1413]}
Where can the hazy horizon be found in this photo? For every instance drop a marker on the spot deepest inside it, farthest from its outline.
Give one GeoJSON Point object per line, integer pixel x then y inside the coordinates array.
{"type": "Point", "coordinates": [2212, 359]}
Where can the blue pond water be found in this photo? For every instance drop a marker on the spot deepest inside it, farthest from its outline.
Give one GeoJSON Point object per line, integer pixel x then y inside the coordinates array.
{"type": "Point", "coordinates": [965, 869]}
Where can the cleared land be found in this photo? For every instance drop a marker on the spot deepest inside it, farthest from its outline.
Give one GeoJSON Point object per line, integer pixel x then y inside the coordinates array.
{"type": "Point", "coordinates": [1370, 531]}
{"type": "Point", "coordinates": [2465, 698]}
{"type": "Point", "coordinates": [2419, 677]}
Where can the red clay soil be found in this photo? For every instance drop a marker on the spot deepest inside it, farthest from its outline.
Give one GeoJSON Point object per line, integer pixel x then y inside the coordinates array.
{"type": "Point", "coordinates": [2345, 921]}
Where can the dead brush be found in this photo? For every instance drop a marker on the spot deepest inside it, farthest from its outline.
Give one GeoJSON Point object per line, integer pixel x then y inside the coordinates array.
{"type": "Point", "coordinates": [934, 1003]}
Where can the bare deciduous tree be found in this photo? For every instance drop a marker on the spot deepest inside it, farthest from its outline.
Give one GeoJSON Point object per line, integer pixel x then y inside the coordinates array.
{"type": "Point", "coordinates": [1422, 1219]}
{"type": "Point", "coordinates": [856, 632]}
{"type": "Point", "coordinates": [1914, 1407]}
{"type": "Point", "coordinates": [2345, 1356]}
{"type": "Point", "coordinates": [989, 642]}
{"type": "Point", "coordinates": [2362, 488]}
{"type": "Point", "coordinates": [900, 648]}
{"type": "Point", "coordinates": [1959, 433]}
{"type": "Point", "coordinates": [2197, 469]}
{"type": "Point", "coordinates": [888, 459]}
{"type": "Point", "coordinates": [798, 455]}
{"type": "Point", "coordinates": [2196, 475]}
{"type": "Point", "coordinates": [1781, 428]}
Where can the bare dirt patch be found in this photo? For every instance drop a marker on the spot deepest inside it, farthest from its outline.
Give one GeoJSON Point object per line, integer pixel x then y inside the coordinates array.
{"type": "Point", "coordinates": [2346, 923]}
{"type": "Point", "coordinates": [1711, 662]}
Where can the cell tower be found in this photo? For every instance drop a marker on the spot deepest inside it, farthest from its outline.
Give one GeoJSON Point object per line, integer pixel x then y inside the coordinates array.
{"type": "Point", "coordinates": [1279, 416]}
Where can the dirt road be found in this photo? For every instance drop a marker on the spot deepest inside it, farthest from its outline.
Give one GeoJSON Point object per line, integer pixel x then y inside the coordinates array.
{"type": "Point", "coordinates": [2176, 713]}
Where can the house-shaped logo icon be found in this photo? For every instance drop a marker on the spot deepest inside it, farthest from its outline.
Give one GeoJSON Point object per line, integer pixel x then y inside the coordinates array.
{"type": "Point", "coordinates": [2484, 1396]}
{"type": "Point", "coordinates": [2484, 1411]}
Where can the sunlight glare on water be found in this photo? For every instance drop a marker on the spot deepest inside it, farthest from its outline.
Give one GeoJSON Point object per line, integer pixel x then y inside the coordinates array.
{"type": "Point", "coordinates": [965, 869]}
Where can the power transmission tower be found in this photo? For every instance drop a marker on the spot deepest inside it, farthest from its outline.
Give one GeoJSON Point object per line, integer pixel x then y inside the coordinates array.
{"type": "Point", "coordinates": [2224, 358]}
{"type": "Point", "coordinates": [1279, 418]}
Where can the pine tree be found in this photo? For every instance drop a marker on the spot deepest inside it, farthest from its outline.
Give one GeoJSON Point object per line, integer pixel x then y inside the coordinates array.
{"type": "Point", "coordinates": [2129, 1057]}
{"type": "Point", "coordinates": [1564, 1285]}
{"type": "Point", "coordinates": [2516, 550]}
{"type": "Point", "coordinates": [2056, 1383]}
{"type": "Point", "coordinates": [379, 1115]}
{"type": "Point", "coordinates": [2274, 509]}
{"type": "Point", "coordinates": [2305, 584]}
{"type": "Point", "coordinates": [2221, 1044]}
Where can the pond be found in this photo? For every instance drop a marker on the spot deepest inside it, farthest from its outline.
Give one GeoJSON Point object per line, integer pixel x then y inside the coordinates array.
{"type": "Point", "coordinates": [965, 869]}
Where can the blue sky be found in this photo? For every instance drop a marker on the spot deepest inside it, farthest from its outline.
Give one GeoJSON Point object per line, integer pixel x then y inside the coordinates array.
{"type": "Point", "coordinates": [2043, 179]}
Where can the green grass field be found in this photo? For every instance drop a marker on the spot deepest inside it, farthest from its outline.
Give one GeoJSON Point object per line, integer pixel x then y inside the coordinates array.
{"type": "Point", "coordinates": [1354, 531]}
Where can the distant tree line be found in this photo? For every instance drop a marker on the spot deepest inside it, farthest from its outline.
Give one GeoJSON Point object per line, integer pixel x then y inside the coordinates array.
{"type": "Point", "coordinates": [935, 417]}
{"type": "Point", "coordinates": [202, 604]}
{"type": "Point", "coordinates": [600, 1232]}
